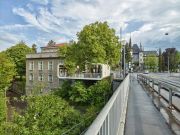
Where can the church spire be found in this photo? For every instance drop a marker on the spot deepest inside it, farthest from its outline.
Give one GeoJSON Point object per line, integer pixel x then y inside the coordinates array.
{"type": "Point", "coordinates": [130, 43]}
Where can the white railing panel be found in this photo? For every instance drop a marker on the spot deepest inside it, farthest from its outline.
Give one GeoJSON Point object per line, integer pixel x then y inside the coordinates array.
{"type": "Point", "coordinates": [110, 120]}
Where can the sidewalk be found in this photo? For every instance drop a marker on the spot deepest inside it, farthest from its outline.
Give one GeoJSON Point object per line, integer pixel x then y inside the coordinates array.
{"type": "Point", "coordinates": [142, 116]}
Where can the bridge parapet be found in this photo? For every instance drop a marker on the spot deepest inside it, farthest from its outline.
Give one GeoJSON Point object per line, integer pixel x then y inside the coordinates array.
{"type": "Point", "coordinates": [111, 120]}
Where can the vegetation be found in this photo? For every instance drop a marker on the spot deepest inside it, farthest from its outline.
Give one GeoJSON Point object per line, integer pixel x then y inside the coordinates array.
{"type": "Point", "coordinates": [173, 56]}
{"type": "Point", "coordinates": [97, 43]}
{"type": "Point", "coordinates": [151, 63]}
{"type": "Point", "coordinates": [7, 72]}
{"type": "Point", "coordinates": [17, 54]}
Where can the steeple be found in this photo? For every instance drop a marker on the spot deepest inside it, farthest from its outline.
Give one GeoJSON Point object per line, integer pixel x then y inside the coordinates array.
{"type": "Point", "coordinates": [130, 43]}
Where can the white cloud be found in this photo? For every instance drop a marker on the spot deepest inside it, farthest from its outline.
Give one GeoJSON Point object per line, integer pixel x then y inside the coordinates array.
{"type": "Point", "coordinates": [43, 2]}
{"type": "Point", "coordinates": [64, 18]}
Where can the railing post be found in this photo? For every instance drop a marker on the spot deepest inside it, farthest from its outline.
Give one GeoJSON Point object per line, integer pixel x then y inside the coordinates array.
{"type": "Point", "coordinates": [153, 85]}
{"type": "Point", "coordinates": [170, 98]}
{"type": "Point", "coordinates": [159, 89]}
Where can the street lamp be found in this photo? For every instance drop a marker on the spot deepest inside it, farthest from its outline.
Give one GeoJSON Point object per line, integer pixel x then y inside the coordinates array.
{"type": "Point", "coordinates": [168, 52]}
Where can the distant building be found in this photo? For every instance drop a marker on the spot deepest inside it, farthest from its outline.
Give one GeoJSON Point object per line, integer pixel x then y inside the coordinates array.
{"type": "Point", "coordinates": [41, 69]}
{"type": "Point", "coordinates": [138, 56]}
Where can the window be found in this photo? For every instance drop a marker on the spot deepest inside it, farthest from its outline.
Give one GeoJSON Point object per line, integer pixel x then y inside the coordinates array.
{"type": "Point", "coordinates": [50, 78]}
{"type": "Point", "coordinates": [40, 65]}
{"type": "Point", "coordinates": [40, 77]}
{"type": "Point", "coordinates": [50, 65]}
{"type": "Point", "coordinates": [31, 65]}
{"type": "Point", "coordinates": [31, 77]}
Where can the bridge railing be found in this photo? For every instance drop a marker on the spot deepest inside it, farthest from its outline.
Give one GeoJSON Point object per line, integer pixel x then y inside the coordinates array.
{"type": "Point", "coordinates": [172, 88]}
{"type": "Point", "coordinates": [111, 120]}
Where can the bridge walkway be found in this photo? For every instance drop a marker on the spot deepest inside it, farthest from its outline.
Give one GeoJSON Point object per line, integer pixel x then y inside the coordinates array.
{"type": "Point", "coordinates": [142, 116]}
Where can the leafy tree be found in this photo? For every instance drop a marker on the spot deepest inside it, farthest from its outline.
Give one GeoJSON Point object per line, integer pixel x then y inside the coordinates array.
{"type": "Point", "coordinates": [171, 55]}
{"type": "Point", "coordinates": [34, 48]}
{"type": "Point", "coordinates": [51, 43]}
{"type": "Point", "coordinates": [46, 115]}
{"type": "Point", "coordinates": [151, 62]}
{"type": "Point", "coordinates": [97, 43]}
{"type": "Point", "coordinates": [17, 54]}
{"type": "Point", "coordinates": [78, 93]}
{"type": "Point", "coordinates": [7, 72]}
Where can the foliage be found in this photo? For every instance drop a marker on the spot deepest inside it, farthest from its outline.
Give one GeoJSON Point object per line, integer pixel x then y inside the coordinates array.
{"type": "Point", "coordinates": [7, 71]}
{"type": "Point", "coordinates": [97, 43]}
{"type": "Point", "coordinates": [78, 93]}
{"type": "Point", "coordinates": [151, 62]}
{"type": "Point", "coordinates": [51, 43]}
{"type": "Point", "coordinates": [171, 56]}
{"type": "Point", "coordinates": [46, 115]}
{"type": "Point", "coordinates": [17, 54]}
{"type": "Point", "coordinates": [34, 48]}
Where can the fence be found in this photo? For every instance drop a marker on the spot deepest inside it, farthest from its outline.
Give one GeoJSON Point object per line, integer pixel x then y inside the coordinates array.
{"type": "Point", "coordinates": [111, 120]}
{"type": "Point", "coordinates": [172, 88]}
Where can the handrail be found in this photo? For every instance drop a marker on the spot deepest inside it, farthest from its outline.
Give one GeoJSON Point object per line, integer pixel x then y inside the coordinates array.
{"type": "Point", "coordinates": [169, 86]}
{"type": "Point", "coordinates": [109, 119]}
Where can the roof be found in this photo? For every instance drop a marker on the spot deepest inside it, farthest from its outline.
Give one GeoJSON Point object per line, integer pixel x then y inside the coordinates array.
{"type": "Point", "coordinates": [150, 53]}
{"type": "Point", "coordinates": [135, 48]}
{"type": "Point", "coordinates": [55, 46]}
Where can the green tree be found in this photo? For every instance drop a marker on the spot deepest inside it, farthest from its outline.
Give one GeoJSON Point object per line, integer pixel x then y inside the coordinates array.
{"type": "Point", "coordinates": [97, 43]}
{"type": "Point", "coordinates": [17, 54]}
{"type": "Point", "coordinates": [46, 115]}
{"type": "Point", "coordinates": [51, 43]}
{"type": "Point", "coordinates": [151, 62]}
{"type": "Point", "coordinates": [7, 72]}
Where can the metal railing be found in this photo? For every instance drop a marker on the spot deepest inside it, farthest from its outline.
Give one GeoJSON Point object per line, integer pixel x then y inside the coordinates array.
{"type": "Point", "coordinates": [111, 120]}
{"type": "Point", "coordinates": [81, 75]}
{"type": "Point", "coordinates": [172, 88]}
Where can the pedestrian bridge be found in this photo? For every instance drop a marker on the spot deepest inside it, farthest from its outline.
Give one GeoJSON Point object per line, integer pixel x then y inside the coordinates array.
{"type": "Point", "coordinates": [130, 110]}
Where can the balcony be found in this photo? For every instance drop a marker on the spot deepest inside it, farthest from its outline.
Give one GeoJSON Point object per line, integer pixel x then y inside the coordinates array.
{"type": "Point", "coordinates": [96, 72]}
{"type": "Point", "coordinates": [82, 76]}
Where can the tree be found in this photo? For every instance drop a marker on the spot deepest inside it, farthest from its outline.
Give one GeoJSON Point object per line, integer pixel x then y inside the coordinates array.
{"type": "Point", "coordinates": [46, 114]}
{"type": "Point", "coordinates": [151, 62]}
{"type": "Point", "coordinates": [171, 55]}
{"type": "Point", "coordinates": [34, 48]}
{"type": "Point", "coordinates": [97, 43]}
{"type": "Point", "coordinates": [7, 72]}
{"type": "Point", "coordinates": [51, 43]}
{"type": "Point", "coordinates": [17, 54]}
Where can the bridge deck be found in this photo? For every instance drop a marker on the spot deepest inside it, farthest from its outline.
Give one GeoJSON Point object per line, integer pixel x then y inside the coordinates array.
{"type": "Point", "coordinates": [142, 116]}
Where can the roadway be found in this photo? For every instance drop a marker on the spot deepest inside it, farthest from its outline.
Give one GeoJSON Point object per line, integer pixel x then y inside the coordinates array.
{"type": "Point", "coordinates": [142, 116]}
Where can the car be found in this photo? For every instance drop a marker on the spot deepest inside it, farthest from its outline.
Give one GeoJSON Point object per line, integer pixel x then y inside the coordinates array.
{"type": "Point", "coordinates": [146, 72]}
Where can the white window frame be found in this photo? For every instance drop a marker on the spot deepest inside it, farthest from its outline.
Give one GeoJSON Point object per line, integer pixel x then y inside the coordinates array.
{"type": "Point", "coordinates": [31, 65]}
{"type": "Point", "coordinates": [41, 77]}
{"type": "Point", "coordinates": [40, 65]}
{"type": "Point", "coordinates": [31, 77]}
{"type": "Point", "coordinates": [50, 80]}
{"type": "Point", "coordinates": [50, 65]}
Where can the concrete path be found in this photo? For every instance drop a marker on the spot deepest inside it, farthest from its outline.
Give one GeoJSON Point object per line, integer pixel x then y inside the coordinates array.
{"type": "Point", "coordinates": [142, 116]}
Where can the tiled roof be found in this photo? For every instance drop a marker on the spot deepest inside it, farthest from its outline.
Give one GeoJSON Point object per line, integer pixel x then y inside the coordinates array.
{"type": "Point", "coordinates": [135, 48]}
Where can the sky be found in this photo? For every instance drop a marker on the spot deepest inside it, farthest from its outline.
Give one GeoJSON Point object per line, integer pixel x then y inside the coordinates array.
{"type": "Point", "coordinates": [38, 21]}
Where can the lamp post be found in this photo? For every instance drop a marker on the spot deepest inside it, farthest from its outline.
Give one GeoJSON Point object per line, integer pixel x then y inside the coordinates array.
{"type": "Point", "coordinates": [168, 53]}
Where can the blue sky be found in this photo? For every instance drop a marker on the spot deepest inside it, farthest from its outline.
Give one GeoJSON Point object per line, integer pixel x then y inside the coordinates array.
{"type": "Point", "coordinates": [38, 21]}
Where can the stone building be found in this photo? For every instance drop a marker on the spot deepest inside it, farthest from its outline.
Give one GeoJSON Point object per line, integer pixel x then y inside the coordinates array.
{"type": "Point", "coordinates": [41, 69]}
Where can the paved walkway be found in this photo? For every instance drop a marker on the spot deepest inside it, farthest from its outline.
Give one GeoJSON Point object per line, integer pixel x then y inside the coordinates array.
{"type": "Point", "coordinates": [142, 116]}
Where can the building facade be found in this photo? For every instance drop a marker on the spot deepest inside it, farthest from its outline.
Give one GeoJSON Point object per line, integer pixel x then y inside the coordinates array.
{"type": "Point", "coordinates": [139, 55]}
{"type": "Point", "coordinates": [41, 69]}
